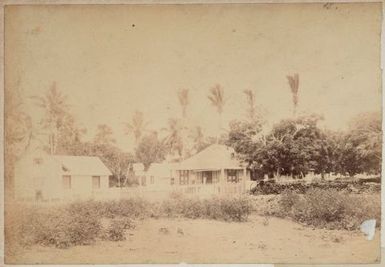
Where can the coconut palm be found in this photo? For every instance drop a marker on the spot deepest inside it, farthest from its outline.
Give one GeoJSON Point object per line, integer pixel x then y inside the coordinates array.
{"type": "Point", "coordinates": [55, 107]}
{"type": "Point", "coordinates": [137, 126]}
{"type": "Point", "coordinates": [251, 110]}
{"type": "Point", "coordinates": [216, 97]}
{"type": "Point", "coordinates": [198, 138]}
{"type": "Point", "coordinates": [173, 140]}
{"type": "Point", "coordinates": [183, 97]}
{"type": "Point", "coordinates": [294, 85]}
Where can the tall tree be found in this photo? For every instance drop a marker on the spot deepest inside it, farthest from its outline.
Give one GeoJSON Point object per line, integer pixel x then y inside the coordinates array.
{"type": "Point", "coordinates": [217, 99]}
{"type": "Point", "coordinates": [251, 105]}
{"type": "Point", "coordinates": [198, 138]}
{"type": "Point", "coordinates": [294, 86]}
{"type": "Point", "coordinates": [17, 133]}
{"type": "Point", "coordinates": [55, 108]}
{"type": "Point", "coordinates": [183, 98]}
{"type": "Point", "coordinates": [136, 127]}
{"type": "Point", "coordinates": [104, 135]}
{"type": "Point", "coordinates": [150, 149]}
{"type": "Point", "coordinates": [174, 140]}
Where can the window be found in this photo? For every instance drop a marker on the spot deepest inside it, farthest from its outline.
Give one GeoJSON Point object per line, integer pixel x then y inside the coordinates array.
{"type": "Point", "coordinates": [143, 180]}
{"type": "Point", "coordinates": [152, 179]}
{"type": "Point", "coordinates": [66, 181]}
{"type": "Point", "coordinates": [232, 176]}
{"type": "Point", "coordinates": [183, 177]}
{"type": "Point", "coordinates": [95, 182]}
{"type": "Point", "coordinates": [172, 181]}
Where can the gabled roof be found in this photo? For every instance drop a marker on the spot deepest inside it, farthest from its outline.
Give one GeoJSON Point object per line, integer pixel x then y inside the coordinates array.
{"type": "Point", "coordinates": [214, 157]}
{"type": "Point", "coordinates": [82, 165]}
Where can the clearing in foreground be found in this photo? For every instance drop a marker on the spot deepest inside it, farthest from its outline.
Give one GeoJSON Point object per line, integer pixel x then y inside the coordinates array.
{"type": "Point", "coordinates": [260, 240]}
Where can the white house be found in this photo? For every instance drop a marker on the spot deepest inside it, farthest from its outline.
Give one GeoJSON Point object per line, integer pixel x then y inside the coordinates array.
{"type": "Point", "coordinates": [213, 171]}
{"type": "Point", "coordinates": [49, 178]}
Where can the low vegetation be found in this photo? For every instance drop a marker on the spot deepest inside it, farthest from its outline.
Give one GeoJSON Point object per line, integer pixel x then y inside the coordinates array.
{"type": "Point", "coordinates": [330, 208]}
{"type": "Point", "coordinates": [350, 186]}
{"type": "Point", "coordinates": [83, 223]}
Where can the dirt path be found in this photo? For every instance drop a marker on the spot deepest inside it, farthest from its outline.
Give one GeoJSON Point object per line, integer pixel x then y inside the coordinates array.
{"type": "Point", "coordinates": [198, 241]}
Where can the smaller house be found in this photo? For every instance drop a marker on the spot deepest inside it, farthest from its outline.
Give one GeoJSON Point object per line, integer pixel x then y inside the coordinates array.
{"type": "Point", "coordinates": [161, 176]}
{"type": "Point", "coordinates": [49, 178]}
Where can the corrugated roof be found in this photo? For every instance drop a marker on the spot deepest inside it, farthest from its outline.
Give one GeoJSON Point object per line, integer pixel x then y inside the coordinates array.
{"type": "Point", "coordinates": [82, 165]}
{"type": "Point", "coordinates": [214, 157]}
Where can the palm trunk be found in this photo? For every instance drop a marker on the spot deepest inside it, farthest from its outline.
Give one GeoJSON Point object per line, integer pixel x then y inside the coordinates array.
{"type": "Point", "coordinates": [219, 127]}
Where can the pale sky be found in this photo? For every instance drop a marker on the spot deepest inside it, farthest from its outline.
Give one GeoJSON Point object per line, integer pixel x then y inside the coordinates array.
{"type": "Point", "coordinates": [113, 60]}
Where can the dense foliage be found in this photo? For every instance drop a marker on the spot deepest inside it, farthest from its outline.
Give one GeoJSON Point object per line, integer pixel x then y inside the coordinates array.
{"type": "Point", "coordinates": [294, 147]}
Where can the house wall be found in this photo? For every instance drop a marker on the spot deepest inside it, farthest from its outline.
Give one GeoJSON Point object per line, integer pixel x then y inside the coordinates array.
{"type": "Point", "coordinates": [46, 179]}
{"type": "Point", "coordinates": [32, 177]}
{"type": "Point", "coordinates": [82, 188]}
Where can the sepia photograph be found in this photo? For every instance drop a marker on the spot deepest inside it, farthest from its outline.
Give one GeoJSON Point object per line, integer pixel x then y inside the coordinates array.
{"type": "Point", "coordinates": [192, 133]}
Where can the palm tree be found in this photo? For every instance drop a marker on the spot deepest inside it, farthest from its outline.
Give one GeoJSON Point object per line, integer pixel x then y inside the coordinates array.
{"type": "Point", "coordinates": [294, 85]}
{"type": "Point", "coordinates": [173, 140]}
{"type": "Point", "coordinates": [55, 108]}
{"type": "Point", "coordinates": [198, 138]}
{"type": "Point", "coordinates": [136, 127]}
{"type": "Point", "coordinates": [251, 111]}
{"type": "Point", "coordinates": [216, 97]}
{"type": "Point", "coordinates": [183, 98]}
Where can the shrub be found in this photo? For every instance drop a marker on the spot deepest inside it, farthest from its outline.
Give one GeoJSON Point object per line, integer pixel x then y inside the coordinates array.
{"type": "Point", "coordinates": [329, 208]}
{"type": "Point", "coordinates": [357, 186]}
{"type": "Point", "coordinates": [228, 209]}
{"type": "Point", "coordinates": [59, 227]}
{"type": "Point", "coordinates": [115, 231]}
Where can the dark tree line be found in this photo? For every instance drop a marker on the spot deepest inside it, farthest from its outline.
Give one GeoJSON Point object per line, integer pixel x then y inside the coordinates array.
{"type": "Point", "coordinates": [296, 146]}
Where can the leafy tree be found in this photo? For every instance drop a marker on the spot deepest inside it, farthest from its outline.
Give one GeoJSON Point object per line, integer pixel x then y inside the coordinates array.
{"type": "Point", "coordinates": [17, 133]}
{"type": "Point", "coordinates": [150, 149]}
{"type": "Point", "coordinates": [55, 107]}
{"type": "Point", "coordinates": [104, 135]}
{"type": "Point", "coordinates": [116, 160]}
{"type": "Point", "coordinates": [293, 147]}
{"type": "Point", "coordinates": [366, 132]}
{"type": "Point", "coordinates": [359, 149]}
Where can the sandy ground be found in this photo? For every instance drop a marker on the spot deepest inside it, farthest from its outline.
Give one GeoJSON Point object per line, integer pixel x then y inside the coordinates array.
{"type": "Point", "coordinates": [259, 240]}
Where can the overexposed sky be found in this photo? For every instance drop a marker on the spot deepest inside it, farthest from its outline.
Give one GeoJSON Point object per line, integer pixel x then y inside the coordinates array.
{"type": "Point", "coordinates": [113, 60]}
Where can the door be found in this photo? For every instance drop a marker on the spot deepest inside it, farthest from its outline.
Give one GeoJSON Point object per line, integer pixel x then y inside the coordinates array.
{"type": "Point", "coordinates": [95, 182]}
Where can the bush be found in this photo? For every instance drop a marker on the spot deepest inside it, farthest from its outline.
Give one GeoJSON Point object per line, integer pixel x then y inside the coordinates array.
{"type": "Point", "coordinates": [228, 209]}
{"type": "Point", "coordinates": [60, 227]}
{"type": "Point", "coordinates": [356, 186]}
{"type": "Point", "coordinates": [115, 231]}
{"type": "Point", "coordinates": [80, 223]}
{"type": "Point", "coordinates": [329, 208]}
